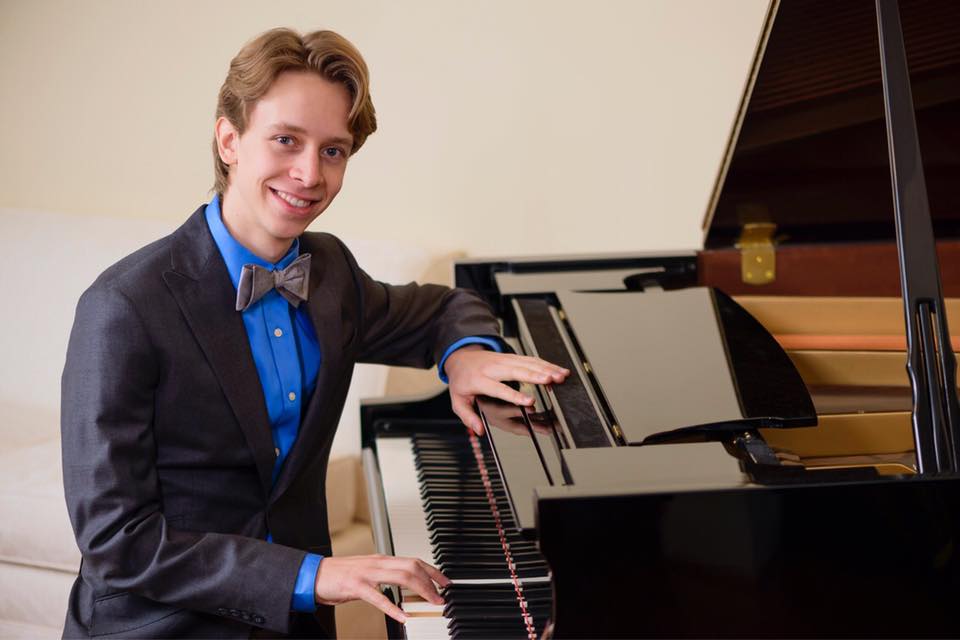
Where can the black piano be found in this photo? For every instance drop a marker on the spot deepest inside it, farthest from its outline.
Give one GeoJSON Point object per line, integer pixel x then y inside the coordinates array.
{"type": "Point", "coordinates": [750, 442]}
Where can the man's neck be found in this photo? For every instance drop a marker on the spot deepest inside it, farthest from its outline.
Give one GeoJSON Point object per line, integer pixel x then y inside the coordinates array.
{"type": "Point", "coordinates": [252, 238]}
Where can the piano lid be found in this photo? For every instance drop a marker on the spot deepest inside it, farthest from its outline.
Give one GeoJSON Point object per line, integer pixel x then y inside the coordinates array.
{"type": "Point", "coordinates": [808, 151]}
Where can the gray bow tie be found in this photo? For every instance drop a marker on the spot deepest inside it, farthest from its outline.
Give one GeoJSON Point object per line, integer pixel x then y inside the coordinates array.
{"type": "Point", "coordinates": [292, 283]}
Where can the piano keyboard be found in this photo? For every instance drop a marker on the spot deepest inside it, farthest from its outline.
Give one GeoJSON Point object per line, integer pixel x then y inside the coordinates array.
{"type": "Point", "coordinates": [446, 505]}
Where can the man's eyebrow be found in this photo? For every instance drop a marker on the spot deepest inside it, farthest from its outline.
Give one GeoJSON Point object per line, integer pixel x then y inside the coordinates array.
{"type": "Point", "coordinates": [286, 126]}
{"type": "Point", "coordinates": [347, 142]}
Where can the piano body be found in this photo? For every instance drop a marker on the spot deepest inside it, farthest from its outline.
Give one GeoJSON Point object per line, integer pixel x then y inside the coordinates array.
{"type": "Point", "coordinates": [734, 452]}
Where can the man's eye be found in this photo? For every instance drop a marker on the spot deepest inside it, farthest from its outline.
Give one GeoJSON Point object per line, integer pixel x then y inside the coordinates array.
{"type": "Point", "coordinates": [284, 140]}
{"type": "Point", "coordinates": [333, 152]}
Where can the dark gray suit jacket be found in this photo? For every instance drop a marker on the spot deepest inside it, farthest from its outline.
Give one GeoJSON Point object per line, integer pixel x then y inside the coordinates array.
{"type": "Point", "coordinates": [167, 450]}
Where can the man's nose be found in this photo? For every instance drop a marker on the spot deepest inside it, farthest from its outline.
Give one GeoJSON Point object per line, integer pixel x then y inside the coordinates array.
{"type": "Point", "coordinates": [307, 170]}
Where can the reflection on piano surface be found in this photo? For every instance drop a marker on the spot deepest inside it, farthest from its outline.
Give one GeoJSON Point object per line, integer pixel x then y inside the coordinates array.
{"type": "Point", "coordinates": [735, 452]}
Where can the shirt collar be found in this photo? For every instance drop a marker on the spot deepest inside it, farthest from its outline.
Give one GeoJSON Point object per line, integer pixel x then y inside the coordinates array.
{"type": "Point", "coordinates": [235, 255]}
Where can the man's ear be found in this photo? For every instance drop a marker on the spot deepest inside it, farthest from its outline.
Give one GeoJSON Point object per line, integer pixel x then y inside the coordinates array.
{"type": "Point", "coordinates": [227, 140]}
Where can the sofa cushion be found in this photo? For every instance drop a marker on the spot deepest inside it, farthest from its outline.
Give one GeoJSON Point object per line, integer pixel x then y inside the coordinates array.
{"type": "Point", "coordinates": [17, 630]}
{"type": "Point", "coordinates": [34, 527]}
{"type": "Point", "coordinates": [34, 596]}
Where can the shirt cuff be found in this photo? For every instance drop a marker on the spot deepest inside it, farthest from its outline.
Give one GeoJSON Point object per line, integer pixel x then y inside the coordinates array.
{"type": "Point", "coordinates": [303, 591]}
{"type": "Point", "coordinates": [491, 343]}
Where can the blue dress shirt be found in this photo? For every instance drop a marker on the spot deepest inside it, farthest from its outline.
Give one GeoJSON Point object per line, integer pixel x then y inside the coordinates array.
{"type": "Point", "coordinates": [287, 357]}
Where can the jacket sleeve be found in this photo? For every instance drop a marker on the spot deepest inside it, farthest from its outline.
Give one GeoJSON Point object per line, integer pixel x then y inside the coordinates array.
{"type": "Point", "coordinates": [112, 489]}
{"type": "Point", "coordinates": [413, 325]}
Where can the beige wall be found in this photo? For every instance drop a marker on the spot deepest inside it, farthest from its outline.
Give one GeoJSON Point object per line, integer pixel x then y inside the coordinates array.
{"type": "Point", "coordinates": [506, 127]}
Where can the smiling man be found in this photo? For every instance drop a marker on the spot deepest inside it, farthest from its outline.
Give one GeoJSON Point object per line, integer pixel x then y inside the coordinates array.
{"type": "Point", "coordinates": [206, 374]}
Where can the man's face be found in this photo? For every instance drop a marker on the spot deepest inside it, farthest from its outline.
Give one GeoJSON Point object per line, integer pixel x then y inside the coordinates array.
{"type": "Point", "coordinates": [288, 165]}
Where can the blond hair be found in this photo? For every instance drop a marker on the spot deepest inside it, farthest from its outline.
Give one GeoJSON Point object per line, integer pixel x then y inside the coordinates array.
{"type": "Point", "coordinates": [254, 69]}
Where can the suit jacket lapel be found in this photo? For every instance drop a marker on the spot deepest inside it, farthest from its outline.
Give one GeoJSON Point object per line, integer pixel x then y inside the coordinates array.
{"type": "Point", "coordinates": [325, 310]}
{"type": "Point", "coordinates": [202, 288]}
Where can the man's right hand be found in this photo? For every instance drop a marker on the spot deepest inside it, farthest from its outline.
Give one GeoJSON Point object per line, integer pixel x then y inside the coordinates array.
{"type": "Point", "coordinates": [357, 578]}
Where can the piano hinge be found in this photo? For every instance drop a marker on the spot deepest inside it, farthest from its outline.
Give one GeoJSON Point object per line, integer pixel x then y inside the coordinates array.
{"type": "Point", "coordinates": [617, 433]}
{"type": "Point", "coordinates": [758, 262]}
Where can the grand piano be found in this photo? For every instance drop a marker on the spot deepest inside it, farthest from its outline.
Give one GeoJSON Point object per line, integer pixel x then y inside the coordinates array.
{"type": "Point", "coordinates": [756, 439]}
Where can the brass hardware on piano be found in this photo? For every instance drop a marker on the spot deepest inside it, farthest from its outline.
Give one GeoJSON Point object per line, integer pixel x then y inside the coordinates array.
{"type": "Point", "coordinates": [758, 258]}
{"type": "Point", "coordinates": [727, 459]}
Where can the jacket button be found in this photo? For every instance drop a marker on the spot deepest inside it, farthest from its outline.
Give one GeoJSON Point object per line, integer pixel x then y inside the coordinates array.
{"type": "Point", "coordinates": [222, 611]}
{"type": "Point", "coordinates": [259, 619]}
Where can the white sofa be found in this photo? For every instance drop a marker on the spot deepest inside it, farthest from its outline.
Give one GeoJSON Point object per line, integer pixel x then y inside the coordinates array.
{"type": "Point", "coordinates": [47, 260]}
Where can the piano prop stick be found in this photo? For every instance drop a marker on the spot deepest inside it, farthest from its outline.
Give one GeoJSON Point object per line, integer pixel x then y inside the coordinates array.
{"type": "Point", "coordinates": [932, 368]}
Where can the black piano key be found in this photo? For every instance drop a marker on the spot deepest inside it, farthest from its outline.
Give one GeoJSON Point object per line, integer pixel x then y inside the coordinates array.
{"type": "Point", "coordinates": [499, 612]}
{"type": "Point", "coordinates": [492, 629]}
{"type": "Point", "coordinates": [506, 597]}
{"type": "Point", "coordinates": [471, 573]}
{"type": "Point", "coordinates": [540, 604]}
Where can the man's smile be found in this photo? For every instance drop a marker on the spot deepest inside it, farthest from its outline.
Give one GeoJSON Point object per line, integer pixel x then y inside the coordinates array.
{"type": "Point", "coordinates": [292, 200]}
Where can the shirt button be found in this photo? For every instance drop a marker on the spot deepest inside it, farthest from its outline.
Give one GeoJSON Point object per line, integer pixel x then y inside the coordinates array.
{"type": "Point", "coordinates": [292, 396]}
{"type": "Point", "coordinates": [276, 451]}
{"type": "Point", "coordinates": [278, 332]}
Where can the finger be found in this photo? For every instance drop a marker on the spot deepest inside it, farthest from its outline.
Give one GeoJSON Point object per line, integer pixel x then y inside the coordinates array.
{"type": "Point", "coordinates": [554, 372]}
{"type": "Point", "coordinates": [416, 581]}
{"type": "Point", "coordinates": [380, 601]}
{"type": "Point", "coordinates": [499, 390]}
{"type": "Point", "coordinates": [463, 407]}
{"type": "Point", "coordinates": [417, 570]}
{"type": "Point", "coordinates": [539, 363]}
{"type": "Point", "coordinates": [412, 577]}
{"type": "Point", "coordinates": [435, 574]}
{"type": "Point", "coordinates": [518, 372]}
{"type": "Point", "coordinates": [536, 371]}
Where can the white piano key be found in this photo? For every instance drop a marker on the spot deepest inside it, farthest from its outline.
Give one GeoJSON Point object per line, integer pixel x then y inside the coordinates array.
{"type": "Point", "coordinates": [408, 524]}
{"type": "Point", "coordinates": [418, 628]}
{"type": "Point", "coordinates": [419, 606]}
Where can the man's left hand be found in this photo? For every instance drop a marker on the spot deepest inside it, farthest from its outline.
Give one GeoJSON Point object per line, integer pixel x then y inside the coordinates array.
{"type": "Point", "coordinates": [474, 371]}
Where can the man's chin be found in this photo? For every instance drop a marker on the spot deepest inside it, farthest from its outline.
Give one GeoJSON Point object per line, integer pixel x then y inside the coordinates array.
{"type": "Point", "coordinates": [289, 224]}
{"type": "Point", "coordinates": [289, 230]}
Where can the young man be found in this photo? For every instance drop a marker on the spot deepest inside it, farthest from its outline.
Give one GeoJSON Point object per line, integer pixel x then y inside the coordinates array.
{"type": "Point", "coordinates": [206, 374]}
